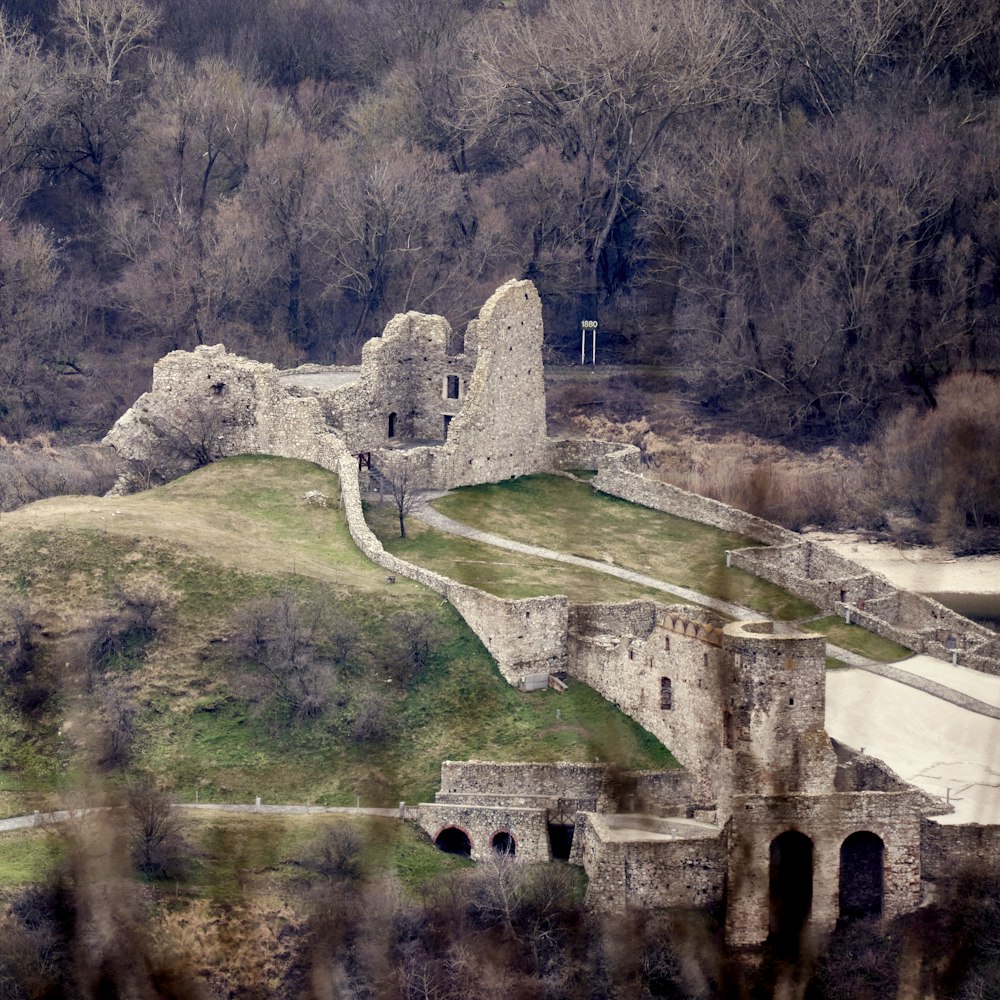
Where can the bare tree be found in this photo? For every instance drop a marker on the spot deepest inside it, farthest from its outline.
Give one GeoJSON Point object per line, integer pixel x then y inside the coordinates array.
{"type": "Point", "coordinates": [602, 82]}
{"type": "Point", "coordinates": [156, 826]}
{"type": "Point", "coordinates": [292, 652]}
{"type": "Point", "coordinates": [106, 31]}
{"type": "Point", "coordinates": [405, 484]}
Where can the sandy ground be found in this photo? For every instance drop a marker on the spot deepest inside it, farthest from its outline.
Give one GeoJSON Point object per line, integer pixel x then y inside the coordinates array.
{"type": "Point", "coordinates": [941, 748]}
{"type": "Point", "coordinates": [925, 570]}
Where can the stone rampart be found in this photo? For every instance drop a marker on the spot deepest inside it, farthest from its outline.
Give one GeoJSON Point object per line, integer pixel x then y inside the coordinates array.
{"type": "Point", "coordinates": [618, 474]}
{"type": "Point", "coordinates": [523, 636]}
{"type": "Point", "coordinates": [662, 866]}
{"type": "Point", "coordinates": [950, 850]}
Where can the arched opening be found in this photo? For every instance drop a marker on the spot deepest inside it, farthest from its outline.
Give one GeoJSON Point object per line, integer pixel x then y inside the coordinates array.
{"type": "Point", "coordinates": [666, 694]}
{"type": "Point", "coordinates": [392, 425]}
{"type": "Point", "coordinates": [790, 881]}
{"type": "Point", "coordinates": [503, 843]}
{"type": "Point", "coordinates": [861, 876]}
{"type": "Point", "coordinates": [452, 840]}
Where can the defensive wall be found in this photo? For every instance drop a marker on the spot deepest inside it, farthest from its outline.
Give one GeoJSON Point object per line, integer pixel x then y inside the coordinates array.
{"type": "Point", "coordinates": [952, 850]}
{"type": "Point", "coordinates": [764, 796]}
{"type": "Point", "coordinates": [518, 805]}
{"type": "Point", "coordinates": [808, 569]}
{"type": "Point", "coordinates": [800, 839]}
{"type": "Point", "coordinates": [642, 861]}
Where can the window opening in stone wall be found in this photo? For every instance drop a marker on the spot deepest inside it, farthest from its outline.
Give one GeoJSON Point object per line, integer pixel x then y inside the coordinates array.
{"type": "Point", "coordinates": [392, 425]}
{"type": "Point", "coordinates": [666, 644]}
{"type": "Point", "coordinates": [861, 876]}
{"type": "Point", "coordinates": [631, 654]}
{"type": "Point", "coordinates": [447, 424]}
{"type": "Point", "coordinates": [666, 693]}
{"type": "Point", "coordinates": [503, 843]}
{"type": "Point", "coordinates": [452, 389]}
{"type": "Point", "coordinates": [452, 840]}
{"type": "Point", "coordinates": [790, 882]}
{"type": "Point", "coordinates": [727, 729]}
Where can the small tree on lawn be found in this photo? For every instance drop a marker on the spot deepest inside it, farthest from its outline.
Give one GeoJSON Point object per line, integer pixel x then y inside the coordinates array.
{"type": "Point", "coordinates": [404, 484]}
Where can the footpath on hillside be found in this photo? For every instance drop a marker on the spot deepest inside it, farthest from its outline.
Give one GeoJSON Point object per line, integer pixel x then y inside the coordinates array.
{"type": "Point", "coordinates": [435, 519]}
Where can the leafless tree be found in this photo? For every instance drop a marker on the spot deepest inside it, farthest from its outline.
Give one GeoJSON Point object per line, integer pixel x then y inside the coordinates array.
{"type": "Point", "coordinates": [405, 484]}
{"type": "Point", "coordinates": [106, 31]}
{"type": "Point", "coordinates": [292, 652]}
{"type": "Point", "coordinates": [157, 829]}
{"type": "Point", "coordinates": [602, 82]}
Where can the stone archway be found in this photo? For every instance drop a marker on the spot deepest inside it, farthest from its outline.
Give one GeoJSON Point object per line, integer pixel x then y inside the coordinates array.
{"type": "Point", "coordinates": [862, 876]}
{"type": "Point", "coordinates": [454, 840]}
{"type": "Point", "coordinates": [503, 843]}
{"type": "Point", "coordinates": [790, 881]}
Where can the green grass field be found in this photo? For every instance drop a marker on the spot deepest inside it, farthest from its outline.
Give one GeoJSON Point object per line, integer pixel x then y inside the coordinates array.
{"type": "Point", "coordinates": [858, 640]}
{"type": "Point", "coordinates": [229, 533]}
{"type": "Point", "coordinates": [558, 513]}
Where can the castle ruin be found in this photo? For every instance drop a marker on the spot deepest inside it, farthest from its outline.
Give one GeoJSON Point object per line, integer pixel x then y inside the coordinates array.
{"type": "Point", "coordinates": [769, 818]}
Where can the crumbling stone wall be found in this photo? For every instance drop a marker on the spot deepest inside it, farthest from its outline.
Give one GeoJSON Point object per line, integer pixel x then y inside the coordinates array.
{"type": "Point", "coordinates": [618, 474]}
{"type": "Point", "coordinates": [207, 404]}
{"type": "Point", "coordinates": [407, 372]}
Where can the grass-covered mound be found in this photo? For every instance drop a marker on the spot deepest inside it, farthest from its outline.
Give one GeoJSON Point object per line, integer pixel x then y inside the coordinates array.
{"type": "Point", "coordinates": [155, 632]}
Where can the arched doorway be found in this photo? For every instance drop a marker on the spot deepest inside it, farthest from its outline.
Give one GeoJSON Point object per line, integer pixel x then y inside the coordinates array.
{"type": "Point", "coordinates": [452, 840]}
{"type": "Point", "coordinates": [392, 425]}
{"type": "Point", "coordinates": [503, 843]}
{"type": "Point", "coordinates": [862, 878]}
{"type": "Point", "coordinates": [791, 884]}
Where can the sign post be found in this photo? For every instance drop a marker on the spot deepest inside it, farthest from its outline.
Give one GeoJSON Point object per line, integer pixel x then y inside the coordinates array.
{"type": "Point", "coordinates": [585, 325]}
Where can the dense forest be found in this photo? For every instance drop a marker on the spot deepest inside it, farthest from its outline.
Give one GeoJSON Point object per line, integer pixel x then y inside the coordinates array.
{"type": "Point", "coordinates": [796, 202]}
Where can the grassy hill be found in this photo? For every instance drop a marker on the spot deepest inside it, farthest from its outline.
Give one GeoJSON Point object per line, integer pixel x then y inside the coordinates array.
{"type": "Point", "coordinates": [234, 535]}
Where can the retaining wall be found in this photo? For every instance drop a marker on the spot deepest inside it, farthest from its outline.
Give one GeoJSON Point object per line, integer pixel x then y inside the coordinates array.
{"type": "Point", "coordinates": [523, 636]}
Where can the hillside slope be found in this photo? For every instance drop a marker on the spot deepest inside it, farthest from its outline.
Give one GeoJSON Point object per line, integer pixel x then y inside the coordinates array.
{"type": "Point", "coordinates": [239, 575]}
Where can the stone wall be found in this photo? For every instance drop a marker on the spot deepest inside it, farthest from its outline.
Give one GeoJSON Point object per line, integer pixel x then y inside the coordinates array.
{"type": "Point", "coordinates": [618, 474]}
{"type": "Point", "coordinates": [404, 377]}
{"type": "Point", "coordinates": [827, 820]}
{"type": "Point", "coordinates": [952, 849]}
{"type": "Point", "coordinates": [553, 781]}
{"type": "Point", "coordinates": [579, 453]}
{"type": "Point", "coordinates": [664, 668]}
{"type": "Point", "coordinates": [840, 586]}
{"type": "Point", "coordinates": [625, 867]}
{"type": "Point", "coordinates": [523, 636]}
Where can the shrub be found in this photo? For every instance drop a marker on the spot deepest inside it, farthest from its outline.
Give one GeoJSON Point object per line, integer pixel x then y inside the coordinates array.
{"type": "Point", "coordinates": [943, 464]}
